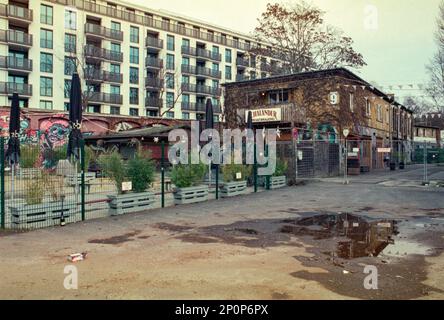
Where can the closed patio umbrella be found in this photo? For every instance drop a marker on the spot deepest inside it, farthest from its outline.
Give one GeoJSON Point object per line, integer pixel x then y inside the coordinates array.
{"type": "Point", "coordinates": [13, 152]}
{"type": "Point", "coordinates": [75, 119]}
{"type": "Point", "coordinates": [209, 124]}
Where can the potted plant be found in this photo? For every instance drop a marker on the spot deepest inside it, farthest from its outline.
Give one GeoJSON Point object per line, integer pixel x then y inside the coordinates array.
{"type": "Point", "coordinates": [35, 212]}
{"type": "Point", "coordinates": [235, 179]}
{"type": "Point", "coordinates": [139, 171]}
{"type": "Point", "coordinates": [188, 181]}
{"type": "Point", "coordinates": [278, 179]}
{"type": "Point", "coordinates": [29, 155]}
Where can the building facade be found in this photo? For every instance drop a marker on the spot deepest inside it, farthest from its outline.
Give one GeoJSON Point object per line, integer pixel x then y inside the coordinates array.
{"type": "Point", "coordinates": [318, 106]}
{"type": "Point", "coordinates": [133, 61]}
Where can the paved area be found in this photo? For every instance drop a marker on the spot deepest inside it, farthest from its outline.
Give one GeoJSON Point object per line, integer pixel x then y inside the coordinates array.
{"type": "Point", "coordinates": [239, 248]}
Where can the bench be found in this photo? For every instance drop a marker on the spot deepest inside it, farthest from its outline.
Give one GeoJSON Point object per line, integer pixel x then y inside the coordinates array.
{"type": "Point", "coordinates": [89, 177]}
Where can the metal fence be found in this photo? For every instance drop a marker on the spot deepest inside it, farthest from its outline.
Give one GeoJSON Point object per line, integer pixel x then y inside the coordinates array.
{"type": "Point", "coordinates": [47, 190]}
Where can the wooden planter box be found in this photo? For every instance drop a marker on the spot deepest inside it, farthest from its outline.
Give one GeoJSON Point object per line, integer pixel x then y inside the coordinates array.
{"type": "Point", "coordinates": [43, 215]}
{"type": "Point", "coordinates": [278, 182]}
{"type": "Point", "coordinates": [28, 173]}
{"type": "Point", "coordinates": [190, 195]}
{"type": "Point", "coordinates": [232, 189]}
{"type": "Point", "coordinates": [131, 202]}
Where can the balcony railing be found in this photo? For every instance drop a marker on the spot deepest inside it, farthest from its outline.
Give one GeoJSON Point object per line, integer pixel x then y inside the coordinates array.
{"type": "Point", "coordinates": [201, 71]}
{"type": "Point", "coordinates": [15, 63]}
{"type": "Point", "coordinates": [101, 97]}
{"type": "Point", "coordinates": [150, 22]}
{"type": "Point", "coordinates": [92, 51]}
{"type": "Point", "coordinates": [9, 88]}
{"type": "Point", "coordinates": [16, 37]}
{"type": "Point", "coordinates": [202, 53]}
{"type": "Point", "coordinates": [153, 63]}
{"type": "Point", "coordinates": [16, 12]}
{"type": "Point", "coordinates": [198, 107]}
{"type": "Point", "coordinates": [94, 75]}
{"type": "Point", "coordinates": [151, 42]}
{"type": "Point", "coordinates": [241, 62]}
{"type": "Point", "coordinates": [103, 32]}
{"type": "Point", "coordinates": [241, 77]}
{"type": "Point", "coordinates": [201, 89]}
{"type": "Point", "coordinates": [153, 103]}
{"type": "Point", "coordinates": [154, 82]}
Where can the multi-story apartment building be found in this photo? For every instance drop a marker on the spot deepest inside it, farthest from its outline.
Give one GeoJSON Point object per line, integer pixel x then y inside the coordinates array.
{"type": "Point", "coordinates": [133, 61]}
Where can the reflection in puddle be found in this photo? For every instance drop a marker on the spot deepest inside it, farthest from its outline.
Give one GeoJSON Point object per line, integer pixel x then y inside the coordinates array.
{"type": "Point", "coordinates": [356, 236]}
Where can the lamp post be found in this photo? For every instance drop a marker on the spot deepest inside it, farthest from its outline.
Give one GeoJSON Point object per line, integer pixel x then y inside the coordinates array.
{"type": "Point", "coordinates": [345, 132]}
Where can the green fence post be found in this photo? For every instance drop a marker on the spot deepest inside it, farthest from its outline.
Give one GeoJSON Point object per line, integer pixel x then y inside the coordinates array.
{"type": "Point", "coordinates": [162, 173]}
{"type": "Point", "coordinates": [255, 169]}
{"type": "Point", "coordinates": [217, 182]}
{"type": "Point", "coordinates": [267, 178]}
{"type": "Point", "coordinates": [82, 178]}
{"type": "Point", "coordinates": [2, 181]}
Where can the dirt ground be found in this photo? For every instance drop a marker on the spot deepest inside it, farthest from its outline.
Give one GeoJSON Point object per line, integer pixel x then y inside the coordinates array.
{"type": "Point", "coordinates": [237, 248]}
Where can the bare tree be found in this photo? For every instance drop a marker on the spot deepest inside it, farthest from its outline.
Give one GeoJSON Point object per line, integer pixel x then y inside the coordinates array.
{"type": "Point", "coordinates": [419, 106]}
{"type": "Point", "coordinates": [435, 68]}
{"type": "Point", "coordinates": [299, 37]}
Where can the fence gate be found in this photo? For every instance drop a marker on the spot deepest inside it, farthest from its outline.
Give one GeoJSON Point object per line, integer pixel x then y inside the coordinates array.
{"type": "Point", "coordinates": [43, 190]}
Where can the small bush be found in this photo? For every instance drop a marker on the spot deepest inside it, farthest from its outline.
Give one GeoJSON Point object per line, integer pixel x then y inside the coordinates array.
{"type": "Point", "coordinates": [281, 168]}
{"type": "Point", "coordinates": [34, 191]}
{"type": "Point", "coordinates": [229, 172]}
{"type": "Point", "coordinates": [29, 155]}
{"type": "Point", "coordinates": [140, 171]}
{"type": "Point", "coordinates": [188, 175]}
{"type": "Point", "coordinates": [113, 167]}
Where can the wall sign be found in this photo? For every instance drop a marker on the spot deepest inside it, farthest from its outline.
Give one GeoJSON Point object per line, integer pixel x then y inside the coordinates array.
{"type": "Point", "coordinates": [333, 97]}
{"type": "Point", "coordinates": [265, 115]}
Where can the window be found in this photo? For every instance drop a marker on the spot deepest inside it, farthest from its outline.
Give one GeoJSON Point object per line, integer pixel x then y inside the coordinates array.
{"type": "Point", "coordinates": [276, 97]}
{"type": "Point", "coordinates": [186, 61]}
{"type": "Point", "coordinates": [228, 55]}
{"type": "Point", "coordinates": [185, 115]}
{"type": "Point", "coordinates": [252, 75]}
{"type": "Point", "coordinates": [93, 108]}
{"type": "Point", "coordinates": [352, 107]}
{"type": "Point", "coordinates": [169, 99]}
{"type": "Point", "coordinates": [67, 88]}
{"type": "Point", "coordinates": [134, 75]}
{"type": "Point", "coordinates": [170, 62]}
{"type": "Point", "coordinates": [215, 84]}
{"type": "Point", "coordinates": [70, 20]}
{"type": "Point", "coordinates": [134, 112]}
{"type": "Point", "coordinates": [134, 55]}
{"type": "Point", "coordinates": [170, 114]}
{"type": "Point", "coordinates": [228, 72]}
{"type": "Point", "coordinates": [151, 113]}
{"type": "Point", "coordinates": [134, 96]}
{"type": "Point", "coordinates": [66, 106]}
{"type": "Point", "coordinates": [115, 47]}
{"type": "Point", "coordinates": [46, 61]}
{"type": "Point", "coordinates": [169, 80]}
{"type": "Point", "coordinates": [114, 110]}
{"type": "Point", "coordinates": [134, 34]}
{"type": "Point", "coordinates": [186, 43]}
{"type": "Point", "coordinates": [379, 113]}
{"type": "Point", "coordinates": [46, 14]}
{"type": "Point", "coordinates": [115, 26]}
{"type": "Point", "coordinates": [45, 38]}
{"type": "Point", "coordinates": [170, 43]}
{"type": "Point", "coordinates": [185, 79]}
{"type": "Point", "coordinates": [46, 105]}
{"type": "Point", "coordinates": [46, 87]}
{"type": "Point", "coordinates": [215, 50]}
{"type": "Point", "coordinates": [368, 107]}
{"type": "Point", "coordinates": [70, 66]}
{"type": "Point", "coordinates": [186, 99]}
{"type": "Point", "coordinates": [215, 66]}
{"type": "Point", "coordinates": [115, 89]}
{"type": "Point", "coordinates": [70, 43]}
{"type": "Point", "coordinates": [114, 68]}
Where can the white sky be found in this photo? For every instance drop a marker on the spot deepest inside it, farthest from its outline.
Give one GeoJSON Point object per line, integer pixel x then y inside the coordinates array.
{"type": "Point", "coordinates": [396, 52]}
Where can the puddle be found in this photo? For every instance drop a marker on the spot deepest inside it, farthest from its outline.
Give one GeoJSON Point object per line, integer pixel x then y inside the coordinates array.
{"type": "Point", "coordinates": [117, 239]}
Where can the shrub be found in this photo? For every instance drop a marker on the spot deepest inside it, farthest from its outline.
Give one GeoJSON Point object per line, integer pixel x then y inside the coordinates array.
{"type": "Point", "coordinates": [113, 167]}
{"type": "Point", "coordinates": [188, 175]}
{"type": "Point", "coordinates": [28, 155]}
{"type": "Point", "coordinates": [140, 171]}
{"type": "Point", "coordinates": [229, 172]}
{"type": "Point", "coordinates": [281, 168]}
{"type": "Point", "coordinates": [35, 191]}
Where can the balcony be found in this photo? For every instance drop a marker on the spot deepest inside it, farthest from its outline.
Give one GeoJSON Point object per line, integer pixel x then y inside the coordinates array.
{"type": "Point", "coordinates": [201, 89]}
{"type": "Point", "coordinates": [201, 71]}
{"type": "Point", "coordinates": [17, 39]}
{"type": "Point", "coordinates": [198, 107]}
{"type": "Point", "coordinates": [153, 44]}
{"type": "Point", "coordinates": [95, 53]}
{"type": "Point", "coordinates": [201, 53]}
{"type": "Point", "coordinates": [241, 77]}
{"type": "Point", "coordinates": [242, 63]}
{"type": "Point", "coordinates": [266, 67]}
{"type": "Point", "coordinates": [97, 31]}
{"type": "Point", "coordinates": [16, 64]}
{"type": "Point", "coordinates": [101, 97]}
{"type": "Point", "coordinates": [19, 15]}
{"type": "Point", "coordinates": [8, 88]}
{"type": "Point", "coordinates": [97, 76]}
{"type": "Point", "coordinates": [154, 83]}
{"type": "Point", "coordinates": [153, 63]}
{"type": "Point", "coordinates": [153, 103]}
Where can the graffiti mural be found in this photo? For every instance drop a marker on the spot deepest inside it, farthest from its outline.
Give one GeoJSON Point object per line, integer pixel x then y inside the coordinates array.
{"type": "Point", "coordinates": [27, 135]}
